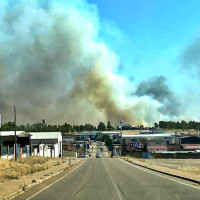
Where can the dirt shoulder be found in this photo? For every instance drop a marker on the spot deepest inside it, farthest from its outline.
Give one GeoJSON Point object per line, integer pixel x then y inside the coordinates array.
{"type": "Point", "coordinates": [9, 188]}
{"type": "Point", "coordinates": [164, 165]}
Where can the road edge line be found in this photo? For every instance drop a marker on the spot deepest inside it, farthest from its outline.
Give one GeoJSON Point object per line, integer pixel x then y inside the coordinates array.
{"type": "Point", "coordinates": [55, 181]}
{"type": "Point", "coordinates": [154, 170]}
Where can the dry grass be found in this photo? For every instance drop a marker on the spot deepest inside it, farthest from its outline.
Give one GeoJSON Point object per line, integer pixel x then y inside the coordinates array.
{"type": "Point", "coordinates": [130, 132]}
{"type": "Point", "coordinates": [186, 165]}
{"type": "Point", "coordinates": [10, 169]}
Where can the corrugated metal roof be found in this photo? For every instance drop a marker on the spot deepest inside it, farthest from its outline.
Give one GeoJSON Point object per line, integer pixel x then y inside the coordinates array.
{"type": "Point", "coordinates": [111, 132]}
{"type": "Point", "coordinates": [161, 147]}
{"type": "Point", "coordinates": [10, 133]}
{"type": "Point", "coordinates": [147, 135]}
{"type": "Point", "coordinates": [44, 135]}
{"type": "Point", "coordinates": [173, 147]}
{"type": "Point", "coordinates": [89, 133]}
{"type": "Point", "coordinates": [191, 146]}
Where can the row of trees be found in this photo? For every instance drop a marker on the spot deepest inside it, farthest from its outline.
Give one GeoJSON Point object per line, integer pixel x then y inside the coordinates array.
{"type": "Point", "coordinates": [65, 128]}
{"type": "Point", "coordinates": [183, 125]}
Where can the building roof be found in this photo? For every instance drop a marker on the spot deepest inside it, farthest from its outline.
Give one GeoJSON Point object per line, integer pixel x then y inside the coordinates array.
{"type": "Point", "coordinates": [161, 147]}
{"type": "Point", "coordinates": [111, 132]}
{"type": "Point", "coordinates": [174, 147]}
{"type": "Point", "coordinates": [128, 125]}
{"type": "Point", "coordinates": [191, 146]}
{"type": "Point", "coordinates": [147, 136]}
{"type": "Point", "coordinates": [188, 136]}
{"type": "Point", "coordinates": [44, 135]}
{"type": "Point", "coordinates": [12, 133]}
{"type": "Point", "coordinates": [145, 131]}
{"type": "Point", "coordinates": [88, 133]}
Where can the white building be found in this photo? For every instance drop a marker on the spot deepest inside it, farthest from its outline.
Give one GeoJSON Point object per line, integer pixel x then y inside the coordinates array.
{"type": "Point", "coordinates": [46, 144]}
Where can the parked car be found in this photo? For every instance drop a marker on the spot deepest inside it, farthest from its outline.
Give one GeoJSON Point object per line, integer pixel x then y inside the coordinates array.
{"type": "Point", "coordinates": [83, 155]}
{"type": "Point", "coordinates": [98, 155]}
{"type": "Point", "coordinates": [79, 155]}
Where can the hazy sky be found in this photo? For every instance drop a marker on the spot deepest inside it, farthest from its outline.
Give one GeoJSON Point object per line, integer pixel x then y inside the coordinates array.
{"type": "Point", "coordinates": [152, 35]}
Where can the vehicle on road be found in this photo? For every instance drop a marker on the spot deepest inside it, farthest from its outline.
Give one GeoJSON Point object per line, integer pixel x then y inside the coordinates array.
{"type": "Point", "coordinates": [79, 155]}
{"type": "Point", "coordinates": [83, 155]}
{"type": "Point", "coordinates": [98, 155]}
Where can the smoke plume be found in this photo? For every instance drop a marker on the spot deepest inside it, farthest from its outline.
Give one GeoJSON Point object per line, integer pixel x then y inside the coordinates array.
{"type": "Point", "coordinates": [99, 90]}
{"type": "Point", "coordinates": [159, 90]}
{"type": "Point", "coordinates": [47, 51]}
{"type": "Point", "coordinates": [191, 56]}
{"type": "Point", "coordinates": [54, 65]}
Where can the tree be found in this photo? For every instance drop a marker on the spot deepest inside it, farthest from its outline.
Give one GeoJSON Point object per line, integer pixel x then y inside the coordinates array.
{"type": "Point", "coordinates": [82, 128]}
{"type": "Point", "coordinates": [101, 127]}
{"type": "Point", "coordinates": [108, 142]}
{"type": "Point", "coordinates": [109, 126]}
{"type": "Point", "coordinates": [89, 127]}
{"type": "Point", "coordinates": [184, 125]}
{"type": "Point", "coordinates": [156, 125]}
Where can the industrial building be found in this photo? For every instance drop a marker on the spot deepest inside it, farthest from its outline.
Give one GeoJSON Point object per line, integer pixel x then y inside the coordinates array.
{"type": "Point", "coordinates": [92, 135]}
{"type": "Point", "coordinates": [46, 144]}
{"type": "Point", "coordinates": [7, 142]}
{"type": "Point", "coordinates": [165, 145]}
{"type": "Point", "coordinates": [144, 141]}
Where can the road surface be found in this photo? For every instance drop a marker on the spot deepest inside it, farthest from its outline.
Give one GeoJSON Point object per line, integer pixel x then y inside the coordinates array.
{"type": "Point", "coordinates": [109, 178]}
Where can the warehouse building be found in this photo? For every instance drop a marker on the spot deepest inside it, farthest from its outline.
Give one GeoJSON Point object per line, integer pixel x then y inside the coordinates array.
{"type": "Point", "coordinates": [146, 142]}
{"type": "Point", "coordinates": [88, 135]}
{"type": "Point", "coordinates": [46, 144]}
{"type": "Point", "coordinates": [7, 141]}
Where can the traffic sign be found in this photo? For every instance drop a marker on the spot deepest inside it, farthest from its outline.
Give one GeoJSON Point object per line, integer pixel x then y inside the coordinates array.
{"type": "Point", "coordinates": [136, 144]}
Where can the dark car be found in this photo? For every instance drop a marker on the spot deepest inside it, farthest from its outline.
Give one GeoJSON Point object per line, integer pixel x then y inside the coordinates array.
{"type": "Point", "coordinates": [83, 155]}
{"type": "Point", "coordinates": [98, 155]}
{"type": "Point", "coordinates": [79, 155]}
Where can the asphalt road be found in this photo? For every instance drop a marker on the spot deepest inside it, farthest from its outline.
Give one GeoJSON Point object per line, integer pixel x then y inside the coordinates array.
{"type": "Point", "coordinates": [109, 178]}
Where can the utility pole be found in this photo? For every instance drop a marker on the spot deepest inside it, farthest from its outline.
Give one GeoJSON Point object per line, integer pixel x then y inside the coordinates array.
{"type": "Point", "coordinates": [84, 144]}
{"type": "Point", "coordinates": [15, 133]}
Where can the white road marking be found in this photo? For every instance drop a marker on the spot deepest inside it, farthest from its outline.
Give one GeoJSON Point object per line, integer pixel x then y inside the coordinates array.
{"type": "Point", "coordinates": [146, 170]}
{"type": "Point", "coordinates": [120, 196]}
{"type": "Point", "coordinates": [54, 182]}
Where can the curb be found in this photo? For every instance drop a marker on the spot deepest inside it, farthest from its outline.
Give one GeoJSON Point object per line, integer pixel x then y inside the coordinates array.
{"type": "Point", "coordinates": [166, 173]}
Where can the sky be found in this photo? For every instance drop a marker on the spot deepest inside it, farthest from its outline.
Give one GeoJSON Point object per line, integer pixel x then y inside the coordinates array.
{"type": "Point", "coordinates": [153, 35]}
{"type": "Point", "coordinates": [85, 61]}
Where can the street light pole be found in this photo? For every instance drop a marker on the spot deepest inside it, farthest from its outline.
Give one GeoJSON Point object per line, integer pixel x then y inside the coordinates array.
{"type": "Point", "coordinates": [15, 133]}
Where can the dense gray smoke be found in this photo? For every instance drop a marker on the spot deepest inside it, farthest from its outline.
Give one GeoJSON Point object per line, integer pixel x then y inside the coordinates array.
{"type": "Point", "coordinates": [98, 89]}
{"type": "Point", "coordinates": [191, 56]}
{"type": "Point", "coordinates": [54, 66]}
{"type": "Point", "coordinates": [158, 89]}
{"type": "Point", "coordinates": [47, 52]}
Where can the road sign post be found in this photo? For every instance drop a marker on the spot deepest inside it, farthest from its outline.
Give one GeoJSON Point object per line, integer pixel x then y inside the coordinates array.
{"type": "Point", "coordinates": [136, 144]}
